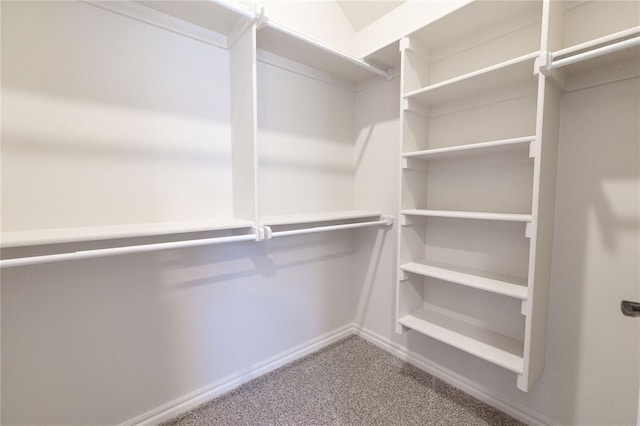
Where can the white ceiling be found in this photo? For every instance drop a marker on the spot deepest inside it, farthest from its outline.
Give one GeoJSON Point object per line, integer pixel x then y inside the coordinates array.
{"type": "Point", "coordinates": [362, 13]}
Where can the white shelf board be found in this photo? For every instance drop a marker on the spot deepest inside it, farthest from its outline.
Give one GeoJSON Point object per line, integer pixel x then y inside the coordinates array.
{"type": "Point", "coordinates": [224, 17]}
{"type": "Point", "coordinates": [487, 79]}
{"type": "Point", "coordinates": [506, 217]}
{"type": "Point", "coordinates": [299, 48]}
{"type": "Point", "coordinates": [474, 17]}
{"type": "Point", "coordinates": [296, 219]}
{"type": "Point", "coordinates": [493, 282]}
{"type": "Point", "coordinates": [215, 15]}
{"type": "Point", "coordinates": [70, 235]}
{"type": "Point", "coordinates": [464, 335]}
{"type": "Point", "coordinates": [388, 56]}
{"type": "Point", "coordinates": [504, 145]}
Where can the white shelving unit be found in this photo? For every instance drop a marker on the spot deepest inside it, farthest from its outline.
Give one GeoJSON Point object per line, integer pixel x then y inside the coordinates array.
{"type": "Point", "coordinates": [481, 90]}
{"type": "Point", "coordinates": [474, 119]}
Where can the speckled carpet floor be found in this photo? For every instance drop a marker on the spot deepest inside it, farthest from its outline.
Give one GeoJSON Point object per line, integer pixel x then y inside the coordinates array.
{"type": "Point", "coordinates": [351, 382]}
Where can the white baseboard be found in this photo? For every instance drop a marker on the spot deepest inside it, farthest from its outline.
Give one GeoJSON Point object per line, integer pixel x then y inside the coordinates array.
{"type": "Point", "coordinates": [200, 396]}
{"type": "Point", "coordinates": [521, 413]}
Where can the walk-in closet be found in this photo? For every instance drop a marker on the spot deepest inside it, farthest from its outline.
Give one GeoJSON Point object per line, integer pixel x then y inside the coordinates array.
{"type": "Point", "coordinates": [320, 212]}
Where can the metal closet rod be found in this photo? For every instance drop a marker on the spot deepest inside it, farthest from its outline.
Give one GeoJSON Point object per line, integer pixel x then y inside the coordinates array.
{"type": "Point", "coordinates": [115, 251]}
{"type": "Point", "coordinates": [385, 221]}
{"type": "Point", "coordinates": [260, 233]}
{"type": "Point", "coordinates": [601, 51]}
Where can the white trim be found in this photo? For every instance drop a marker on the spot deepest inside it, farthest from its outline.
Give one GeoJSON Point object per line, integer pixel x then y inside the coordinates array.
{"type": "Point", "coordinates": [516, 411]}
{"type": "Point", "coordinates": [161, 20]}
{"type": "Point", "coordinates": [202, 395]}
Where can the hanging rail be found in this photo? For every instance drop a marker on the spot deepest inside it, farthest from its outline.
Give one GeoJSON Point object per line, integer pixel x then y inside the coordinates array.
{"type": "Point", "coordinates": [601, 51]}
{"type": "Point", "coordinates": [385, 221]}
{"type": "Point", "coordinates": [115, 251]}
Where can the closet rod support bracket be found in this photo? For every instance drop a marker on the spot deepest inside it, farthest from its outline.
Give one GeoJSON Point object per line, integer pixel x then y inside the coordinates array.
{"type": "Point", "coordinates": [267, 232]}
{"type": "Point", "coordinates": [259, 18]}
{"type": "Point", "coordinates": [388, 219]}
{"type": "Point", "coordinates": [542, 64]}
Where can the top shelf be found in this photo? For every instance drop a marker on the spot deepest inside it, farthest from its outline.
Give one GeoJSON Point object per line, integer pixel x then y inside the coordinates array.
{"type": "Point", "coordinates": [297, 47]}
{"type": "Point", "coordinates": [484, 80]}
{"type": "Point", "coordinates": [218, 16]}
{"type": "Point", "coordinates": [96, 233]}
{"type": "Point", "coordinates": [225, 18]}
{"type": "Point", "coordinates": [466, 22]}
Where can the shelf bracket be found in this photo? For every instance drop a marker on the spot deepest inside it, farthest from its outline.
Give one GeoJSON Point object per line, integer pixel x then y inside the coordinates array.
{"type": "Point", "coordinates": [405, 43]}
{"type": "Point", "coordinates": [533, 148]}
{"type": "Point", "coordinates": [408, 43]}
{"type": "Point", "coordinates": [258, 19]}
{"type": "Point", "coordinates": [403, 275]}
{"type": "Point", "coordinates": [414, 164]}
{"type": "Point", "coordinates": [542, 64]}
{"type": "Point", "coordinates": [410, 105]}
{"type": "Point", "coordinates": [405, 220]}
{"type": "Point", "coordinates": [267, 232]}
{"type": "Point", "coordinates": [528, 230]}
{"type": "Point", "coordinates": [258, 231]}
{"type": "Point", "coordinates": [523, 308]}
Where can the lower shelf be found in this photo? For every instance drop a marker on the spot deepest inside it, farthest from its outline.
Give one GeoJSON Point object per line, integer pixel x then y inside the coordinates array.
{"type": "Point", "coordinates": [95, 233]}
{"type": "Point", "coordinates": [481, 342]}
{"type": "Point", "coordinates": [493, 282]}
{"type": "Point", "coordinates": [507, 217]}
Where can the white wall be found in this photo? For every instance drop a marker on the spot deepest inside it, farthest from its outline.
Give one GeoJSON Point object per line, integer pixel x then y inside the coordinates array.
{"type": "Point", "coordinates": [321, 20]}
{"type": "Point", "coordinates": [404, 19]}
{"type": "Point", "coordinates": [591, 373]}
{"type": "Point", "coordinates": [91, 112]}
{"type": "Point", "coordinates": [305, 144]}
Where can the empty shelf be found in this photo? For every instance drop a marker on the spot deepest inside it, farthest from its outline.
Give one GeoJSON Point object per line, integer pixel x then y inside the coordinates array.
{"type": "Point", "coordinates": [219, 16]}
{"type": "Point", "coordinates": [507, 217]}
{"type": "Point", "coordinates": [484, 80]}
{"type": "Point", "coordinates": [504, 145]}
{"type": "Point", "coordinates": [289, 44]}
{"type": "Point", "coordinates": [493, 282]}
{"type": "Point", "coordinates": [69, 235]}
{"type": "Point", "coordinates": [317, 217]}
{"type": "Point", "coordinates": [462, 334]}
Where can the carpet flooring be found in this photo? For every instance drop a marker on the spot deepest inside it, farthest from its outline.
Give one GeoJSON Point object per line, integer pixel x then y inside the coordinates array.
{"type": "Point", "coordinates": [351, 382]}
